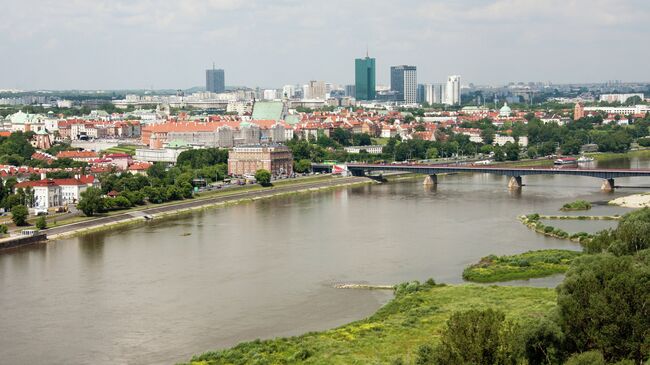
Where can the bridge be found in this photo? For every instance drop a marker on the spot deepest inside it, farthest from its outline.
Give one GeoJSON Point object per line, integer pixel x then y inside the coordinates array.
{"type": "Point", "coordinates": [515, 173]}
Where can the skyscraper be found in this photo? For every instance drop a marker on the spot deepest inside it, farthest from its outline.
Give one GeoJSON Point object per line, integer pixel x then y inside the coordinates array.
{"type": "Point", "coordinates": [215, 80]}
{"type": "Point", "coordinates": [452, 91]}
{"type": "Point", "coordinates": [403, 80]}
{"type": "Point", "coordinates": [364, 76]}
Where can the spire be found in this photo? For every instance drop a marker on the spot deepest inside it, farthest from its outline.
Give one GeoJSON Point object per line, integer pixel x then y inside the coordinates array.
{"type": "Point", "coordinates": [367, 51]}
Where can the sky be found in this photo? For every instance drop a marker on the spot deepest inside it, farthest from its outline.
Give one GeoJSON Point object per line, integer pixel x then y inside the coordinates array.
{"type": "Point", "coordinates": [141, 44]}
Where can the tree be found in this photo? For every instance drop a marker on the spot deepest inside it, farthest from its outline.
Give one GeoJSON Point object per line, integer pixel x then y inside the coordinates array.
{"type": "Point", "coordinates": [587, 358]}
{"type": "Point", "coordinates": [3, 229]}
{"type": "Point", "coordinates": [41, 222]}
{"type": "Point", "coordinates": [19, 214]}
{"type": "Point", "coordinates": [542, 342]}
{"type": "Point", "coordinates": [477, 337]}
{"type": "Point", "coordinates": [603, 305]}
{"type": "Point", "coordinates": [91, 202]}
{"type": "Point", "coordinates": [263, 177]}
{"type": "Point", "coordinates": [488, 135]}
{"type": "Point", "coordinates": [512, 151]}
{"type": "Point", "coordinates": [301, 166]}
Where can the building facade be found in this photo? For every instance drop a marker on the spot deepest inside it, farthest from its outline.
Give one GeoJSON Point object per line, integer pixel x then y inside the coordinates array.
{"type": "Point", "coordinates": [215, 80]}
{"type": "Point", "coordinates": [403, 80]}
{"type": "Point", "coordinates": [452, 91]}
{"type": "Point", "coordinates": [246, 160]}
{"type": "Point", "coordinates": [364, 76]}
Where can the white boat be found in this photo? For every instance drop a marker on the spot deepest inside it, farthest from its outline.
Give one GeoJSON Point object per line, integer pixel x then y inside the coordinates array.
{"type": "Point", "coordinates": [585, 159]}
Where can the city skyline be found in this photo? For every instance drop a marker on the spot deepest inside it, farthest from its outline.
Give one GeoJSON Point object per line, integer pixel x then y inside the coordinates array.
{"type": "Point", "coordinates": [496, 41]}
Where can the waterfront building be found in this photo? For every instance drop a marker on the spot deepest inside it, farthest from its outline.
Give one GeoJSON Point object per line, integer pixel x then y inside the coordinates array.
{"type": "Point", "coordinates": [49, 193]}
{"type": "Point", "coordinates": [215, 80]}
{"type": "Point", "coordinates": [403, 81]}
{"type": "Point", "coordinates": [364, 76]}
{"type": "Point", "coordinates": [452, 91]}
{"type": "Point", "coordinates": [246, 160]}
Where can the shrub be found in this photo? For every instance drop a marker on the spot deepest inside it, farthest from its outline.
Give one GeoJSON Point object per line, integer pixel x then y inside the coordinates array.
{"type": "Point", "coordinates": [477, 337]}
{"type": "Point", "coordinates": [587, 358]}
{"type": "Point", "coordinates": [577, 205]}
{"type": "Point", "coordinates": [41, 223]}
{"type": "Point", "coordinates": [549, 229]}
{"type": "Point", "coordinates": [263, 177]}
{"type": "Point", "coordinates": [3, 229]}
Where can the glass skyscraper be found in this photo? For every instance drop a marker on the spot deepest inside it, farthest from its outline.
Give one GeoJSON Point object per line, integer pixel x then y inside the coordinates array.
{"type": "Point", "coordinates": [215, 80]}
{"type": "Point", "coordinates": [364, 74]}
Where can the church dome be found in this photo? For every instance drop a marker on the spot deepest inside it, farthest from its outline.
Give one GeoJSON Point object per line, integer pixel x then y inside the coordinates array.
{"type": "Point", "coordinates": [505, 110]}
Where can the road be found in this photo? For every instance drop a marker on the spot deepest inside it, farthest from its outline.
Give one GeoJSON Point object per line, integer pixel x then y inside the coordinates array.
{"type": "Point", "coordinates": [201, 202]}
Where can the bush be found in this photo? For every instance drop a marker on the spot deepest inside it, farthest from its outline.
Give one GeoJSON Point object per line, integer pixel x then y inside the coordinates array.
{"type": "Point", "coordinates": [587, 358]}
{"type": "Point", "coordinates": [41, 223]}
{"type": "Point", "coordinates": [576, 205]}
{"type": "Point", "coordinates": [549, 229]}
{"type": "Point", "coordinates": [121, 202]}
{"type": "Point", "coordinates": [19, 214]}
{"type": "Point", "coordinates": [3, 229]}
{"type": "Point", "coordinates": [477, 337]}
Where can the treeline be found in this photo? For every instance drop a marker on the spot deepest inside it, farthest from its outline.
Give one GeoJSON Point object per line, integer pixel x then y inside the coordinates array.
{"type": "Point", "coordinates": [163, 183]}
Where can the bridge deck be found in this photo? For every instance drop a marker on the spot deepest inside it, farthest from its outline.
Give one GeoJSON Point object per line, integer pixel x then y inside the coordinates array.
{"type": "Point", "coordinates": [501, 170]}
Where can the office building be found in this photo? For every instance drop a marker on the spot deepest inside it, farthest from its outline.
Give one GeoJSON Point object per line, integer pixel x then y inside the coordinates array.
{"type": "Point", "coordinates": [215, 80]}
{"type": "Point", "coordinates": [452, 91]}
{"type": "Point", "coordinates": [420, 93]}
{"type": "Point", "coordinates": [350, 90]}
{"type": "Point", "coordinates": [403, 81]}
{"type": "Point", "coordinates": [364, 78]}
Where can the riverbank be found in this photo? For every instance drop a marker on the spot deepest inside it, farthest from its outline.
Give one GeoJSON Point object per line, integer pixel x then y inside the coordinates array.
{"type": "Point", "coordinates": [139, 216]}
{"type": "Point", "coordinates": [394, 332]}
{"type": "Point", "coordinates": [635, 201]}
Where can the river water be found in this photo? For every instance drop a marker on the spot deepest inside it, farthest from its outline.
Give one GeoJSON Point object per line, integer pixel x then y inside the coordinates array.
{"type": "Point", "coordinates": [161, 292]}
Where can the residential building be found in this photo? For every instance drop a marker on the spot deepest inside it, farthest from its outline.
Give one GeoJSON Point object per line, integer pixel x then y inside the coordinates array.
{"type": "Point", "coordinates": [49, 193]}
{"type": "Point", "coordinates": [215, 80]}
{"type": "Point", "coordinates": [403, 81]}
{"type": "Point", "coordinates": [452, 91]}
{"type": "Point", "coordinates": [434, 93]}
{"type": "Point", "coordinates": [246, 160]}
{"type": "Point", "coordinates": [364, 75]}
{"type": "Point", "coordinates": [314, 90]}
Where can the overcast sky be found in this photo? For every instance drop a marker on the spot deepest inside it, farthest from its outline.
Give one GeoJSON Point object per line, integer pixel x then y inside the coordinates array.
{"type": "Point", "coordinates": [116, 44]}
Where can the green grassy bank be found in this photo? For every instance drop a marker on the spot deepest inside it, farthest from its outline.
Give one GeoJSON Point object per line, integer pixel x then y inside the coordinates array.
{"type": "Point", "coordinates": [416, 316]}
{"type": "Point", "coordinates": [528, 265]}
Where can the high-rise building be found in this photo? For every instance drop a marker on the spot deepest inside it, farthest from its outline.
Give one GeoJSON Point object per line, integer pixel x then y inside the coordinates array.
{"type": "Point", "coordinates": [452, 91]}
{"type": "Point", "coordinates": [364, 78]}
{"type": "Point", "coordinates": [288, 91]}
{"type": "Point", "coordinates": [314, 90]}
{"type": "Point", "coordinates": [420, 93]}
{"type": "Point", "coordinates": [403, 80]}
{"type": "Point", "coordinates": [350, 90]}
{"type": "Point", "coordinates": [578, 111]}
{"type": "Point", "coordinates": [215, 80]}
{"type": "Point", "coordinates": [434, 93]}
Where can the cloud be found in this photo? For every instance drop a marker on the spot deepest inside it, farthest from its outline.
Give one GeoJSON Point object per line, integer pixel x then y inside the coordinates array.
{"type": "Point", "coordinates": [271, 43]}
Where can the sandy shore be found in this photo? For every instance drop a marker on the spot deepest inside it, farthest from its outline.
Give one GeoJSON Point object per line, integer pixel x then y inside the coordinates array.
{"type": "Point", "coordinates": [633, 201]}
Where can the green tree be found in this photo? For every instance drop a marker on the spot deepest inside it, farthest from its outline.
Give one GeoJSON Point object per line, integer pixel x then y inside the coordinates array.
{"type": "Point", "coordinates": [488, 135]}
{"type": "Point", "coordinates": [19, 214]}
{"type": "Point", "coordinates": [301, 166]}
{"type": "Point", "coordinates": [41, 222]}
{"type": "Point", "coordinates": [542, 342]}
{"type": "Point", "coordinates": [3, 229]}
{"type": "Point", "coordinates": [603, 305]}
{"type": "Point", "coordinates": [91, 202]}
{"type": "Point", "coordinates": [263, 177]}
{"type": "Point", "coordinates": [481, 337]}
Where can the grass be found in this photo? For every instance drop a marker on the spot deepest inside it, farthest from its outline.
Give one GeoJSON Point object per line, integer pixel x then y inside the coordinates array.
{"type": "Point", "coordinates": [532, 264]}
{"type": "Point", "coordinates": [396, 330]}
{"type": "Point", "coordinates": [576, 205]}
{"type": "Point", "coordinates": [122, 149]}
{"type": "Point", "coordinates": [604, 156]}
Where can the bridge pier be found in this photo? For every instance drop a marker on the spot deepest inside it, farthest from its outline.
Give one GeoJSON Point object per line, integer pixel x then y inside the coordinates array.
{"type": "Point", "coordinates": [431, 180]}
{"type": "Point", "coordinates": [608, 185]}
{"type": "Point", "coordinates": [515, 183]}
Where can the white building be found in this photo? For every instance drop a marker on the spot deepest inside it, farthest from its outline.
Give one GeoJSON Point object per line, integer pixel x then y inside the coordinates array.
{"type": "Point", "coordinates": [622, 110]}
{"type": "Point", "coordinates": [620, 98]}
{"type": "Point", "coordinates": [501, 140]}
{"type": "Point", "coordinates": [373, 150]}
{"type": "Point", "coordinates": [270, 94]}
{"type": "Point", "coordinates": [452, 90]}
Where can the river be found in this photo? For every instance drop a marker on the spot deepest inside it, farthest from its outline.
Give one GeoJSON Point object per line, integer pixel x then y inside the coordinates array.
{"type": "Point", "coordinates": [161, 292]}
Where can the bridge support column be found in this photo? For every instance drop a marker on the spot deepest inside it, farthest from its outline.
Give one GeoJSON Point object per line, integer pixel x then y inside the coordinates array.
{"type": "Point", "coordinates": [431, 180]}
{"type": "Point", "coordinates": [515, 183]}
{"type": "Point", "coordinates": [608, 185]}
